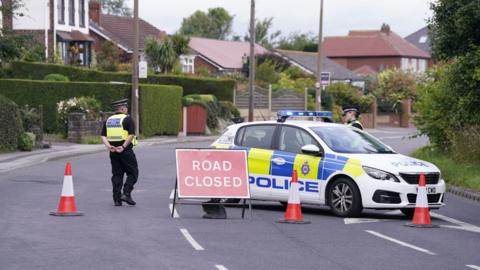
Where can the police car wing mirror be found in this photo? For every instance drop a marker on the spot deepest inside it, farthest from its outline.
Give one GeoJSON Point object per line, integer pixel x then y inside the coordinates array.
{"type": "Point", "coordinates": [311, 149]}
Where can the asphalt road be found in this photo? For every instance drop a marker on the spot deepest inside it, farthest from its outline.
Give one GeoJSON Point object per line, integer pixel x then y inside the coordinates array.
{"type": "Point", "coordinates": [146, 237]}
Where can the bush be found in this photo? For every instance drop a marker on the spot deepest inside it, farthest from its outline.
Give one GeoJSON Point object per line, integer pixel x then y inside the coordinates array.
{"type": "Point", "coordinates": [26, 141]}
{"type": "Point", "coordinates": [48, 94]}
{"type": "Point", "coordinates": [266, 72]}
{"type": "Point", "coordinates": [344, 94]}
{"type": "Point", "coordinates": [228, 110]}
{"type": "Point", "coordinates": [10, 124]}
{"type": "Point", "coordinates": [465, 144]}
{"type": "Point", "coordinates": [87, 105]}
{"type": "Point", "coordinates": [210, 103]}
{"type": "Point", "coordinates": [160, 108]}
{"type": "Point", "coordinates": [107, 58]}
{"type": "Point", "coordinates": [221, 88]}
{"type": "Point", "coordinates": [54, 77]}
{"type": "Point", "coordinates": [393, 86]}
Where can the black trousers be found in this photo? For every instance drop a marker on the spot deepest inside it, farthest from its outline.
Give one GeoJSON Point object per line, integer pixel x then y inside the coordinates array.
{"type": "Point", "coordinates": [123, 163]}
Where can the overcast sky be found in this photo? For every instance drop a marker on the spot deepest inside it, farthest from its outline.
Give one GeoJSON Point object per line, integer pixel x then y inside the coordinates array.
{"type": "Point", "coordinates": [404, 16]}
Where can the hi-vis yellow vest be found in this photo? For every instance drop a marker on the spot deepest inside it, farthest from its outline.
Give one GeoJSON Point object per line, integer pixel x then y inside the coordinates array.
{"type": "Point", "coordinates": [115, 131]}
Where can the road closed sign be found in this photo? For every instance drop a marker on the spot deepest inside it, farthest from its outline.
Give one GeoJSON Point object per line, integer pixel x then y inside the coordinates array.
{"type": "Point", "coordinates": [207, 173]}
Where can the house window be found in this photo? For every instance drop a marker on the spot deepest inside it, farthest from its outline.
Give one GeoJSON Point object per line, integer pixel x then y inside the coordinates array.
{"type": "Point", "coordinates": [422, 65]}
{"type": "Point", "coordinates": [413, 65]}
{"type": "Point", "coordinates": [61, 11]}
{"type": "Point", "coordinates": [404, 64]}
{"type": "Point", "coordinates": [188, 63]}
{"type": "Point", "coordinates": [81, 12]}
{"type": "Point", "coordinates": [71, 12]}
{"type": "Point", "coordinates": [423, 39]}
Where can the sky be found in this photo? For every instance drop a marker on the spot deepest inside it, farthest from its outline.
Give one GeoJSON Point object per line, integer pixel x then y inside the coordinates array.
{"type": "Point", "coordinates": [403, 16]}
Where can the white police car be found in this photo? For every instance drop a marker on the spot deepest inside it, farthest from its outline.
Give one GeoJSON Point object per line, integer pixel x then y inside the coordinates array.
{"type": "Point", "coordinates": [340, 166]}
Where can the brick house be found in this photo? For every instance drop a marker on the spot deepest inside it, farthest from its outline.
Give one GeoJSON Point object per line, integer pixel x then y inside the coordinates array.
{"type": "Point", "coordinates": [59, 25]}
{"type": "Point", "coordinates": [119, 29]}
{"type": "Point", "coordinates": [367, 51]}
{"type": "Point", "coordinates": [217, 56]}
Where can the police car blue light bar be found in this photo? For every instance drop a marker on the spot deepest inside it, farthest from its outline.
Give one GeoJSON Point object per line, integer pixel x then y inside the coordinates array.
{"type": "Point", "coordinates": [283, 115]}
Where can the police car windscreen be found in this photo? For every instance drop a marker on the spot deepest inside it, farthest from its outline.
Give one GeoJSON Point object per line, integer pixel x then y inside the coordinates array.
{"type": "Point", "coordinates": [347, 140]}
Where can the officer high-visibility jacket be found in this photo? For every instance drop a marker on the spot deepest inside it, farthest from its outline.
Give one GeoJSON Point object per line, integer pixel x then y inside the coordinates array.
{"type": "Point", "coordinates": [355, 123]}
{"type": "Point", "coordinates": [117, 128]}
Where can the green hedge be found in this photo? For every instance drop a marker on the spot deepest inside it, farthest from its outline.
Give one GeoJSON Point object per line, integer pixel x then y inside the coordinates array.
{"type": "Point", "coordinates": [10, 124]}
{"type": "Point", "coordinates": [221, 88]}
{"type": "Point", "coordinates": [160, 110]}
{"type": "Point", "coordinates": [47, 93]}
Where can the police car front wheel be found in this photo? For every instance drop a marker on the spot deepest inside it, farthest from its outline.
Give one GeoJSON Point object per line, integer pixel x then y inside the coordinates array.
{"type": "Point", "coordinates": [344, 198]}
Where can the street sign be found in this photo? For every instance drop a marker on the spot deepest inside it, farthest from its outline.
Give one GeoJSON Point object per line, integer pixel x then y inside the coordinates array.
{"type": "Point", "coordinates": [142, 69]}
{"type": "Point", "coordinates": [325, 78]}
{"type": "Point", "coordinates": [208, 173]}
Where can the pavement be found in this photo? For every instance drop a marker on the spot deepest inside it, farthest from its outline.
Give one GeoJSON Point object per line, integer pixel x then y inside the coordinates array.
{"type": "Point", "coordinates": [16, 160]}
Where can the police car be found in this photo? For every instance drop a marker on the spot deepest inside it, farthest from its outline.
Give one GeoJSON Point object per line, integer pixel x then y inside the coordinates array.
{"type": "Point", "coordinates": [337, 165]}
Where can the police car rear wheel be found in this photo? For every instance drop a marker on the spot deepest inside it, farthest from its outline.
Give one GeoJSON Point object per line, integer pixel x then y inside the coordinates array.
{"type": "Point", "coordinates": [344, 198]}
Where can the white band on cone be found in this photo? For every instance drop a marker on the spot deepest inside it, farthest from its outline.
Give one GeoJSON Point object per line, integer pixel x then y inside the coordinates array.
{"type": "Point", "coordinates": [422, 199]}
{"type": "Point", "coordinates": [293, 196]}
{"type": "Point", "coordinates": [67, 189]}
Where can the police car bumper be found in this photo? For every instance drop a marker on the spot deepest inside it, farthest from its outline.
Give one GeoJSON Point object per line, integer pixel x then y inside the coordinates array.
{"type": "Point", "coordinates": [383, 194]}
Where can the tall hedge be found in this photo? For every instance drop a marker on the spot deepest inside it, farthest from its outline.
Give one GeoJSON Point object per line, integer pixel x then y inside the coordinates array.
{"type": "Point", "coordinates": [48, 93]}
{"type": "Point", "coordinates": [10, 124]}
{"type": "Point", "coordinates": [221, 88]}
{"type": "Point", "coordinates": [160, 108]}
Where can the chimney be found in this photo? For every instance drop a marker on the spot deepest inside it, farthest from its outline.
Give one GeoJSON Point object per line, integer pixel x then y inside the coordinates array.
{"type": "Point", "coordinates": [385, 29]}
{"type": "Point", "coordinates": [95, 11]}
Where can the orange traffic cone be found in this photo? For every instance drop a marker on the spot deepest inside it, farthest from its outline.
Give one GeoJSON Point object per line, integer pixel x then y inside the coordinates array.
{"type": "Point", "coordinates": [294, 208]}
{"type": "Point", "coordinates": [67, 207]}
{"type": "Point", "coordinates": [421, 217]}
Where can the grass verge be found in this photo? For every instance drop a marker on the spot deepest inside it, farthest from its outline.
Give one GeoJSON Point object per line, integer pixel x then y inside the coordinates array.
{"type": "Point", "coordinates": [462, 174]}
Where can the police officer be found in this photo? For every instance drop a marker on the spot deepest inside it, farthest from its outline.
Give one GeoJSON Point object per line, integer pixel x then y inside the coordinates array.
{"type": "Point", "coordinates": [118, 135]}
{"type": "Point", "coordinates": [350, 116]}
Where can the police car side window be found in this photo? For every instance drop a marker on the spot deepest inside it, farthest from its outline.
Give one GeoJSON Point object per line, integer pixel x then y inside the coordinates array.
{"type": "Point", "coordinates": [293, 139]}
{"type": "Point", "coordinates": [257, 136]}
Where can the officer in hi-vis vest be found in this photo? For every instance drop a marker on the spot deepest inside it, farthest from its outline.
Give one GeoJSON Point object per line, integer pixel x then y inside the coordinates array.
{"type": "Point", "coordinates": [118, 135]}
{"type": "Point", "coordinates": [350, 116]}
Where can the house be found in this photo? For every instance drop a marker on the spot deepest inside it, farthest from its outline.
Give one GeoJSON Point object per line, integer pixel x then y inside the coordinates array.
{"type": "Point", "coordinates": [60, 25]}
{"type": "Point", "coordinates": [375, 50]}
{"type": "Point", "coordinates": [420, 39]}
{"type": "Point", "coordinates": [119, 29]}
{"type": "Point", "coordinates": [217, 56]}
{"type": "Point", "coordinates": [307, 61]}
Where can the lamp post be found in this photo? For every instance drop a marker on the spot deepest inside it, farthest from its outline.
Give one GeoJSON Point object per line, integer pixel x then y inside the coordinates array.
{"type": "Point", "coordinates": [318, 85]}
{"type": "Point", "coordinates": [134, 93]}
{"type": "Point", "coordinates": [251, 70]}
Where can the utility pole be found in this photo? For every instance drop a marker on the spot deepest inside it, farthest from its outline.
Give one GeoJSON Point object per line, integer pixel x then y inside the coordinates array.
{"type": "Point", "coordinates": [135, 110]}
{"type": "Point", "coordinates": [251, 77]}
{"type": "Point", "coordinates": [318, 85]}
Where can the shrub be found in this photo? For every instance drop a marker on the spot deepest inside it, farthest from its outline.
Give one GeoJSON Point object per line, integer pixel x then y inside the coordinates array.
{"type": "Point", "coordinates": [87, 105]}
{"type": "Point", "coordinates": [210, 103]}
{"type": "Point", "coordinates": [26, 141]}
{"type": "Point", "coordinates": [221, 88]}
{"type": "Point", "coordinates": [344, 94]}
{"type": "Point", "coordinates": [393, 86]}
{"type": "Point", "coordinates": [54, 77]}
{"type": "Point", "coordinates": [228, 110]}
{"type": "Point", "coordinates": [107, 58]}
{"type": "Point", "coordinates": [203, 71]}
{"type": "Point", "coordinates": [48, 94]}
{"type": "Point", "coordinates": [465, 144]}
{"type": "Point", "coordinates": [10, 124]}
{"type": "Point", "coordinates": [266, 72]}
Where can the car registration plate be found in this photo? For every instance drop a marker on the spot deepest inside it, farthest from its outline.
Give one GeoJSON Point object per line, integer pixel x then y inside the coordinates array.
{"type": "Point", "coordinates": [430, 190]}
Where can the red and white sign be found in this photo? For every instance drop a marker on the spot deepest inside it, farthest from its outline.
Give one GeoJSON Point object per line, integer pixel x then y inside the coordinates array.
{"type": "Point", "coordinates": [206, 173]}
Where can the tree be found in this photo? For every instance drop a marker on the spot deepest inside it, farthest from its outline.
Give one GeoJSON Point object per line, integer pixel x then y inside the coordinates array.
{"type": "Point", "coordinates": [160, 55]}
{"type": "Point", "coordinates": [180, 43]}
{"type": "Point", "coordinates": [116, 7]}
{"type": "Point", "coordinates": [262, 30]}
{"type": "Point", "coordinates": [216, 23]}
{"type": "Point", "coordinates": [298, 41]}
{"type": "Point", "coordinates": [108, 57]}
{"type": "Point", "coordinates": [454, 27]}
{"type": "Point", "coordinates": [395, 85]}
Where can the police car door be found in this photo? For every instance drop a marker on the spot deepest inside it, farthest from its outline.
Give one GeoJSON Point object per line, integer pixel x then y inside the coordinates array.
{"type": "Point", "coordinates": [257, 140]}
{"type": "Point", "coordinates": [289, 157]}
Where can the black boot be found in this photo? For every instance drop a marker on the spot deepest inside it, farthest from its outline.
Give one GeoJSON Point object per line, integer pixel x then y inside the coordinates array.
{"type": "Point", "coordinates": [117, 203]}
{"type": "Point", "coordinates": [128, 199]}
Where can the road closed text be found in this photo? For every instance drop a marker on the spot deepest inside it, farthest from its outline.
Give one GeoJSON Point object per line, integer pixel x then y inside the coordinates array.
{"type": "Point", "coordinates": [212, 173]}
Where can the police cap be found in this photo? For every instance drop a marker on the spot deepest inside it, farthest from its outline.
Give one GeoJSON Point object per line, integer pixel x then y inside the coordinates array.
{"type": "Point", "coordinates": [118, 103]}
{"type": "Point", "coordinates": [350, 108]}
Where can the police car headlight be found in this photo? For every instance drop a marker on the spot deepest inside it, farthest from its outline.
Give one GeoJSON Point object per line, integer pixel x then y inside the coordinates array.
{"type": "Point", "coordinates": [380, 175]}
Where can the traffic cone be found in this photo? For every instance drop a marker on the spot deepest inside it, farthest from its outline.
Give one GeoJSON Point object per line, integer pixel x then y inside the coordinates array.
{"type": "Point", "coordinates": [421, 217]}
{"type": "Point", "coordinates": [67, 207]}
{"type": "Point", "coordinates": [294, 208]}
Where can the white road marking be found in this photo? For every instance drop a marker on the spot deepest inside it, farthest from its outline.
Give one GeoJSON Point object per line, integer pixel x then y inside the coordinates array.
{"type": "Point", "coordinates": [400, 242]}
{"type": "Point", "coordinates": [221, 267]}
{"type": "Point", "coordinates": [473, 266]}
{"type": "Point", "coordinates": [362, 220]}
{"type": "Point", "coordinates": [175, 213]}
{"type": "Point", "coordinates": [172, 194]}
{"type": "Point", "coordinates": [190, 239]}
{"type": "Point", "coordinates": [463, 225]}
{"type": "Point", "coordinates": [468, 229]}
